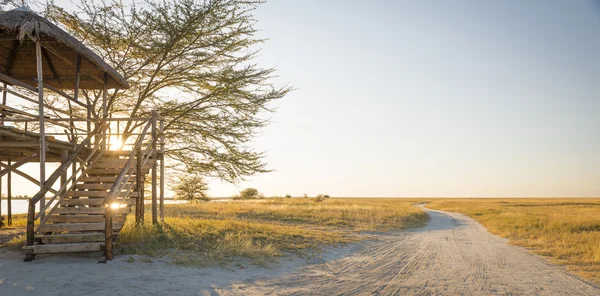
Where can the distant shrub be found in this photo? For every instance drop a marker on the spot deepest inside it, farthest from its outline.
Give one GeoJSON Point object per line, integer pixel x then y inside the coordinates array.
{"type": "Point", "coordinates": [320, 198]}
{"type": "Point", "coordinates": [326, 196]}
{"type": "Point", "coordinates": [249, 193]}
{"type": "Point", "coordinates": [288, 196]}
{"type": "Point", "coordinates": [305, 195]}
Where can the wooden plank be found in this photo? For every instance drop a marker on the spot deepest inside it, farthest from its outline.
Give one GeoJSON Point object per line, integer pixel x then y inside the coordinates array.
{"type": "Point", "coordinates": [98, 194]}
{"type": "Point", "coordinates": [112, 171]}
{"type": "Point", "coordinates": [77, 227]}
{"type": "Point", "coordinates": [99, 179]}
{"type": "Point", "coordinates": [72, 238]}
{"type": "Point", "coordinates": [66, 248]}
{"type": "Point", "coordinates": [92, 201]}
{"type": "Point", "coordinates": [116, 165]}
{"type": "Point", "coordinates": [98, 186]}
{"type": "Point", "coordinates": [82, 218]}
{"type": "Point", "coordinates": [89, 211]}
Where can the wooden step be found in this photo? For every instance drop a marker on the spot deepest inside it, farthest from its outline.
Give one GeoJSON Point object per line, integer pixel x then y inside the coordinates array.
{"type": "Point", "coordinates": [82, 218]}
{"type": "Point", "coordinates": [109, 171]}
{"type": "Point", "coordinates": [65, 248]}
{"type": "Point", "coordinates": [100, 194]}
{"type": "Point", "coordinates": [100, 179]}
{"type": "Point", "coordinates": [119, 165]}
{"type": "Point", "coordinates": [89, 211]}
{"type": "Point", "coordinates": [72, 238]}
{"type": "Point", "coordinates": [99, 186]}
{"type": "Point", "coordinates": [77, 227]}
{"type": "Point", "coordinates": [91, 201]}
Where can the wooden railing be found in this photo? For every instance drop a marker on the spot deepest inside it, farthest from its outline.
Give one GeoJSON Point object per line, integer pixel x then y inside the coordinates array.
{"type": "Point", "coordinates": [141, 154]}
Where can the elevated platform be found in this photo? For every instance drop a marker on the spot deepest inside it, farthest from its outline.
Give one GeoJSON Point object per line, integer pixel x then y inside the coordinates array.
{"type": "Point", "coordinates": [16, 144]}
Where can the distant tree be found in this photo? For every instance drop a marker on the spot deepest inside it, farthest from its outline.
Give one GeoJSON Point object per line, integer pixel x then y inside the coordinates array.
{"type": "Point", "coordinates": [249, 193]}
{"type": "Point", "coordinates": [288, 196]}
{"type": "Point", "coordinates": [191, 187]}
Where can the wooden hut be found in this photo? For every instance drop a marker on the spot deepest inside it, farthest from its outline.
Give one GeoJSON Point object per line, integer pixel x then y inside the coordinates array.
{"type": "Point", "coordinates": [82, 204]}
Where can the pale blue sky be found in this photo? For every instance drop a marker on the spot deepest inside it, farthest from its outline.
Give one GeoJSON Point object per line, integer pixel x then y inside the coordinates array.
{"type": "Point", "coordinates": [432, 98]}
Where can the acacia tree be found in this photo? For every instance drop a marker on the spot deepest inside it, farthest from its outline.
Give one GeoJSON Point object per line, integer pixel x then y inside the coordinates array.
{"type": "Point", "coordinates": [191, 187]}
{"type": "Point", "coordinates": [192, 60]}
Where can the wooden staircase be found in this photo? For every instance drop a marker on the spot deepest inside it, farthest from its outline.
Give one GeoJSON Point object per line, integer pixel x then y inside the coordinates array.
{"type": "Point", "coordinates": [77, 223]}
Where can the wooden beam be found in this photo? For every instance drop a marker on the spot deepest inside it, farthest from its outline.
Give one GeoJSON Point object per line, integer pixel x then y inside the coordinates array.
{"type": "Point", "coordinates": [27, 177]}
{"type": "Point", "coordinates": [17, 164]}
{"type": "Point", "coordinates": [77, 78]}
{"type": "Point", "coordinates": [19, 144]}
{"type": "Point", "coordinates": [7, 79]}
{"type": "Point", "coordinates": [50, 64]}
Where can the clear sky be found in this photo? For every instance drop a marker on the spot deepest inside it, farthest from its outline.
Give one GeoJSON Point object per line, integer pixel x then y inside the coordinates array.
{"type": "Point", "coordinates": [432, 98]}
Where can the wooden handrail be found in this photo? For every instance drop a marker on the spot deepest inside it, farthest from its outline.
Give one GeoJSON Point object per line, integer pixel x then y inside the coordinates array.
{"type": "Point", "coordinates": [115, 187]}
{"type": "Point", "coordinates": [64, 166]}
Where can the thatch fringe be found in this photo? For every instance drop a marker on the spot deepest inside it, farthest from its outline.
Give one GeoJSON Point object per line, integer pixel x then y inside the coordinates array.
{"type": "Point", "coordinates": [28, 25]}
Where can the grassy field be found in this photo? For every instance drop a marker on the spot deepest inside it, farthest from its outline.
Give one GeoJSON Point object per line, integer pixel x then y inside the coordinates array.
{"type": "Point", "coordinates": [566, 231]}
{"type": "Point", "coordinates": [209, 233]}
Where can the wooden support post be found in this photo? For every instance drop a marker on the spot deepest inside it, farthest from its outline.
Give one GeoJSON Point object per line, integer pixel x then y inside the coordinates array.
{"type": "Point", "coordinates": [40, 89]}
{"type": "Point", "coordinates": [162, 171]}
{"type": "Point", "coordinates": [1, 196]}
{"type": "Point", "coordinates": [108, 232]}
{"type": "Point", "coordinates": [154, 195]}
{"type": "Point", "coordinates": [77, 78]}
{"type": "Point", "coordinates": [30, 229]}
{"type": "Point", "coordinates": [139, 187]}
{"type": "Point", "coordinates": [105, 107]}
{"type": "Point", "coordinates": [64, 156]}
{"type": "Point", "coordinates": [3, 103]}
{"type": "Point", "coordinates": [142, 193]}
{"type": "Point", "coordinates": [9, 197]}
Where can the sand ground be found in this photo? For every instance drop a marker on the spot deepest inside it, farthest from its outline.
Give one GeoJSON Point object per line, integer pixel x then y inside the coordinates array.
{"type": "Point", "coordinates": [452, 255]}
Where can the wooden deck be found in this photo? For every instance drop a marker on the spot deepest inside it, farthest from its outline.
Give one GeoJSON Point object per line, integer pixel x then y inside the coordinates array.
{"type": "Point", "coordinates": [16, 144]}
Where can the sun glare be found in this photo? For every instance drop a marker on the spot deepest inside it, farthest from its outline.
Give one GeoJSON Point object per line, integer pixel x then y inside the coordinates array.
{"type": "Point", "coordinates": [115, 143]}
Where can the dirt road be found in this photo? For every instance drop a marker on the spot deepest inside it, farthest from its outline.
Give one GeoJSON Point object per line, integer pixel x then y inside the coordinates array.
{"type": "Point", "coordinates": [452, 255]}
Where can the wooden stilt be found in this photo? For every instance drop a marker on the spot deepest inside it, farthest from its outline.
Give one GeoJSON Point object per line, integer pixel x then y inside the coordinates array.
{"type": "Point", "coordinates": [154, 195]}
{"type": "Point", "coordinates": [40, 78]}
{"type": "Point", "coordinates": [139, 206]}
{"type": "Point", "coordinates": [108, 224]}
{"type": "Point", "coordinates": [162, 172]}
{"type": "Point", "coordinates": [9, 197]}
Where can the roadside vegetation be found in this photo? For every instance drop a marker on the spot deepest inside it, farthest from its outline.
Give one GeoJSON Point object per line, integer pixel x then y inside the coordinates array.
{"type": "Point", "coordinates": [261, 230]}
{"type": "Point", "coordinates": [566, 231]}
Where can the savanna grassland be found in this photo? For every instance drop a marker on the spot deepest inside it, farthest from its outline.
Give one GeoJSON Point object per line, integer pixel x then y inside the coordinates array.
{"type": "Point", "coordinates": [566, 231]}
{"type": "Point", "coordinates": [259, 230]}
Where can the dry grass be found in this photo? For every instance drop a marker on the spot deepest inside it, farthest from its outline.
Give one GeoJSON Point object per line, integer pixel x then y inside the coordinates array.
{"type": "Point", "coordinates": [209, 233]}
{"type": "Point", "coordinates": [12, 237]}
{"type": "Point", "coordinates": [567, 231]}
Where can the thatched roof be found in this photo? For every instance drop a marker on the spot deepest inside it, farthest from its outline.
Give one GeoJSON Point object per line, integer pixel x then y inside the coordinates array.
{"type": "Point", "coordinates": [18, 27]}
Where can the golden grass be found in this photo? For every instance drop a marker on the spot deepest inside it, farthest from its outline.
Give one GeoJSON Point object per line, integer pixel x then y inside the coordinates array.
{"type": "Point", "coordinates": [12, 237]}
{"type": "Point", "coordinates": [566, 231]}
{"type": "Point", "coordinates": [209, 233]}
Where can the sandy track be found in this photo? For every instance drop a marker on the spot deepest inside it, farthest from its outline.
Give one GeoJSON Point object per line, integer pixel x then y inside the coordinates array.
{"type": "Point", "coordinates": [452, 255]}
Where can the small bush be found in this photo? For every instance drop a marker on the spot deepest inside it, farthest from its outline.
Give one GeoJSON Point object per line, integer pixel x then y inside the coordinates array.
{"type": "Point", "coordinates": [248, 193]}
{"type": "Point", "coordinates": [288, 196]}
{"type": "Point", "coordinates": [319, 198]}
